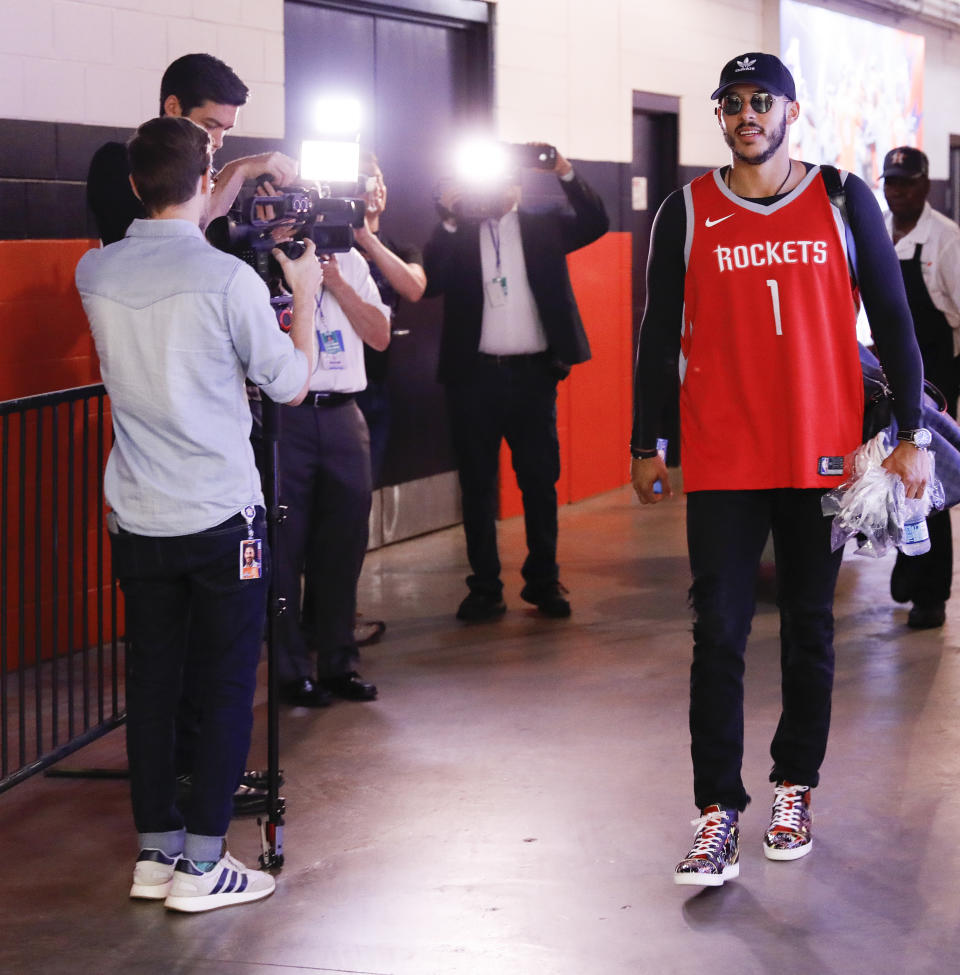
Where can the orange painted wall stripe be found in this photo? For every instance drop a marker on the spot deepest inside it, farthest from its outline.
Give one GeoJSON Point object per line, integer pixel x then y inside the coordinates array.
{"type": "Point", "coordinates": [45, 344]}
{"type": "Point", "coordinates": [595, 402]}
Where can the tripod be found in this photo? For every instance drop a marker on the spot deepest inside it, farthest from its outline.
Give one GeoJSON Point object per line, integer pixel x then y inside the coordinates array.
{"type": "Point", "coordinates": [271, 826]}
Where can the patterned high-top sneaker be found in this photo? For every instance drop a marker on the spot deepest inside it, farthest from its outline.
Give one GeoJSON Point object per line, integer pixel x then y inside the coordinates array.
{"type": "Point", "coordinates": [788, 835]}
{"type": "Point", "coordinates": [715, 856]}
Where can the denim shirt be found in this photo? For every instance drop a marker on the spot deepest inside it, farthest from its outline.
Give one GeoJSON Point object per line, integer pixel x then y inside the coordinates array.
{"type": "Point", "coordinates": [177, 326]}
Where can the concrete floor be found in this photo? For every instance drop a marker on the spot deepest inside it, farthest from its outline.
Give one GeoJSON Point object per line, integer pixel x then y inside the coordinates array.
{"type": "Point", "coordinates": [516, 800]}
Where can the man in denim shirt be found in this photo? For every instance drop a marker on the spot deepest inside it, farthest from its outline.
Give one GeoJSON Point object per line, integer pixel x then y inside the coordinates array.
{"type": "Point", "coordinates": [178, 325]}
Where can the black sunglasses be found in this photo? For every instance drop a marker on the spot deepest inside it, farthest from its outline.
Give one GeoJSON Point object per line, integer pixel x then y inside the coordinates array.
{"type": "Point", "coordinates": [760, 101]}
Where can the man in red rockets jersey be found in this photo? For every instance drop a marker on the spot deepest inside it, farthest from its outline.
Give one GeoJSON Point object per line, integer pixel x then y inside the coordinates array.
{"type": "Point", "coordinates": [749, 300]}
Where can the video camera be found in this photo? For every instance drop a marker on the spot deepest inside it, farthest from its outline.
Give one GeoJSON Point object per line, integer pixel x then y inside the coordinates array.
{"type": "Point", "coordinates": [300, 212]}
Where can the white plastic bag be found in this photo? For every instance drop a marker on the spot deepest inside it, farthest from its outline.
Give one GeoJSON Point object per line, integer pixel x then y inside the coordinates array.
{"type": "Point", "coordinates": [872, 504]}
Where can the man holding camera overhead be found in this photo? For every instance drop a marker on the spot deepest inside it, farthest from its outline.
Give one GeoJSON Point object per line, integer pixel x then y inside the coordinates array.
{"type": "Point", "coordinates": [511, 331]}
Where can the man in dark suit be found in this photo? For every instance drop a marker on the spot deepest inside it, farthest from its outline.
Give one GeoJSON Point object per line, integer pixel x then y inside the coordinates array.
{"type": "Point", "coordinates": [511, 331]}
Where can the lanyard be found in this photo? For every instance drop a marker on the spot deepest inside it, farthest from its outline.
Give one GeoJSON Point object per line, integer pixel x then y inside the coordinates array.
{"type": "Point", "coordinates": [319, 330]}
{"type": "Point", "coordinates": [494, 226]}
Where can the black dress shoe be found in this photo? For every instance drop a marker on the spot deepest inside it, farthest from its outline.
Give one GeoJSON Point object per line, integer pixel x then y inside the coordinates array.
{"type": "Point", "coordinates": [550, 600]}
{"type": "Point", "coordinates": [368, 632]}
{"type": "Point", "coordinates": [304, 693]}
{"type": "Point", "coordinates": [257, 778]}
{"type": "Point", "coordinates": [350, 686]}
{"type": "Point", "coordinates": [478, 607]}
{"type": "Point", "coordinates": [927, 616]}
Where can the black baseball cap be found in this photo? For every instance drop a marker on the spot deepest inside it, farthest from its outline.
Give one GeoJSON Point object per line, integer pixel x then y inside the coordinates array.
{"type": "Point", "coordinates": [765, 71]}
{"type": "Point", "coordinates": [905, 162]}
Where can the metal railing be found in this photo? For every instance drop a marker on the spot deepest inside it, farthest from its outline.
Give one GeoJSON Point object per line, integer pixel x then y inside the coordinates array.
{"type": "Point", "coordinates": [61, 652]}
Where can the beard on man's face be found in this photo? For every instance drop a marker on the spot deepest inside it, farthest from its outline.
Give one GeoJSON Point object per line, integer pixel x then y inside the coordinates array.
{"type": "Point", "coordinates": [774, 139]}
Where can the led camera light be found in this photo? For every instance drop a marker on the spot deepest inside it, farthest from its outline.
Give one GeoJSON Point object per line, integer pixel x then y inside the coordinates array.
{"type": "Point", "coordinates": [329, 161]}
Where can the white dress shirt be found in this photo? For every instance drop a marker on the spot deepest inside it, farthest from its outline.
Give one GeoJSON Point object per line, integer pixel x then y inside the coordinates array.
{"type": "Point", "coordinates": [340, 366]}
{"type": "Point", "coordinates": [511, 322]}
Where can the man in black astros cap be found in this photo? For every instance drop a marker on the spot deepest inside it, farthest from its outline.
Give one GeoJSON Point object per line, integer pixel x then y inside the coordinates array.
{"type": "Point", "coordinates": [928, 247]}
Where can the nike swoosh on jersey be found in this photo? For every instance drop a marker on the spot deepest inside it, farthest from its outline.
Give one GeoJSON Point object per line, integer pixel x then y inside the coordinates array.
{"type": "Point", "coordinates": [712, 223]}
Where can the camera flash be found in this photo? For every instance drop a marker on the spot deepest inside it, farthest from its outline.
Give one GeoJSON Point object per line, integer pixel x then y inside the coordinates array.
{"type": "Point", "coordinates": [481, 161]}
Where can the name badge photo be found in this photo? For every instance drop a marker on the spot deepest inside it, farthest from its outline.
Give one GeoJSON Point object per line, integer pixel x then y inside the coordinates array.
{"type": "Point", "coordinates": [497, 291]}
{"type": "Point", "coordinates": [251, 558]}
{"type": "Point", "coordinates": [331, 350]}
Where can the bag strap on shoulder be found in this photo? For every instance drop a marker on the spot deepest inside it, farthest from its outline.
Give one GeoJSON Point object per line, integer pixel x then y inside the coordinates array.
{"type": "Point", "coordinates": [838, 197]}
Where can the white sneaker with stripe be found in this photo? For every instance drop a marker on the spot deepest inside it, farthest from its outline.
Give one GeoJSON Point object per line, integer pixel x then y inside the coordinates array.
{"type": "Point", "coordinates": [229, 882]}
{"type": "Point", "coordinates": [153, 875]}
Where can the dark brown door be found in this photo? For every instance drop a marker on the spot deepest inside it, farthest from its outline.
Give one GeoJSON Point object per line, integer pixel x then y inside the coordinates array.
{"type": "Point", "coordinates": [653, 178]}
{"type": "Point", "coordinates": [420, 79]}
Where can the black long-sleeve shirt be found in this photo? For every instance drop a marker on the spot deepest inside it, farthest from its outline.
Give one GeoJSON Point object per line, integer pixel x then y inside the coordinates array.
{"type": "Point", "coordinates": [881, 289]}
{"type": "Point", "coordinates": [109, 194]}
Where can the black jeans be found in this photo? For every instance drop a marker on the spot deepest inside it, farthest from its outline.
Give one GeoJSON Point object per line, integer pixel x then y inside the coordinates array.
{"type": "Point", "coordinates": [183, 594]}
{"type": "Point", "coordinates": [512, 397]}
{"type": "Point", "coordinates": [925, 579]}
{"type": "Point", "coordinates": [726, 533]}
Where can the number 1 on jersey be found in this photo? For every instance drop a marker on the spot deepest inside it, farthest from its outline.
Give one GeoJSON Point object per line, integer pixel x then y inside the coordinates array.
{"type": "Point", "coordinates": [775, 298]}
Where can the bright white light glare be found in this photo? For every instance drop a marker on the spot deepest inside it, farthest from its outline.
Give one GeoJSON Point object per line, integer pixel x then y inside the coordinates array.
{"type": "Point", "coordinates": [327, 161]}
{"type": "Point", "coordinates": [337, 115]}
{"type": "Point", "coordinates": [481, 161]}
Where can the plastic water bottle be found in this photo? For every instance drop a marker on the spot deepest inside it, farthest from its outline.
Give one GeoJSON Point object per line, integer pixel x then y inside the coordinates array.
{"type": "Point", "coordinates": [916, 536]}
{"type": "Point", "coordinates": [662, 451]}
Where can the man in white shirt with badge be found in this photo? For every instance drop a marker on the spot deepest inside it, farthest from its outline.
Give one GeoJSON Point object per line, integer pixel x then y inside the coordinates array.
{"type": "Point", "coordinates": [326, 486]}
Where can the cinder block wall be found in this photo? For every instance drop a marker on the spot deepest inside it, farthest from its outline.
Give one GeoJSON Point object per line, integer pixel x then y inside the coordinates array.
{"type": "Point", "coordinates": [99, 62]}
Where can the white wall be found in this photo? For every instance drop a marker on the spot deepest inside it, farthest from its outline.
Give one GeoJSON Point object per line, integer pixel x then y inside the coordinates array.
{"type": "Point", "coordinates": [100, 61]}
{"type": "Point", "coordinates": [566, 70]}
{"type": "Point", "coordinates": [941, 82]}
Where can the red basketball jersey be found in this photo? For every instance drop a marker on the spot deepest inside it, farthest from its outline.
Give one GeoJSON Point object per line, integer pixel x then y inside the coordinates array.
{"type": "Point", "coordinates": [771, 389]}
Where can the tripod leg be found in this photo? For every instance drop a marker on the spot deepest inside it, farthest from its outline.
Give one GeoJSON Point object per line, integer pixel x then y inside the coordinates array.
{"type": "Point", "coordinates": [271, 827]}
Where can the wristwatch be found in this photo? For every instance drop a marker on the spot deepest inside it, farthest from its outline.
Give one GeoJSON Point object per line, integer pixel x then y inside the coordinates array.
{"type": "Point", "coordinates": [920, 437]}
